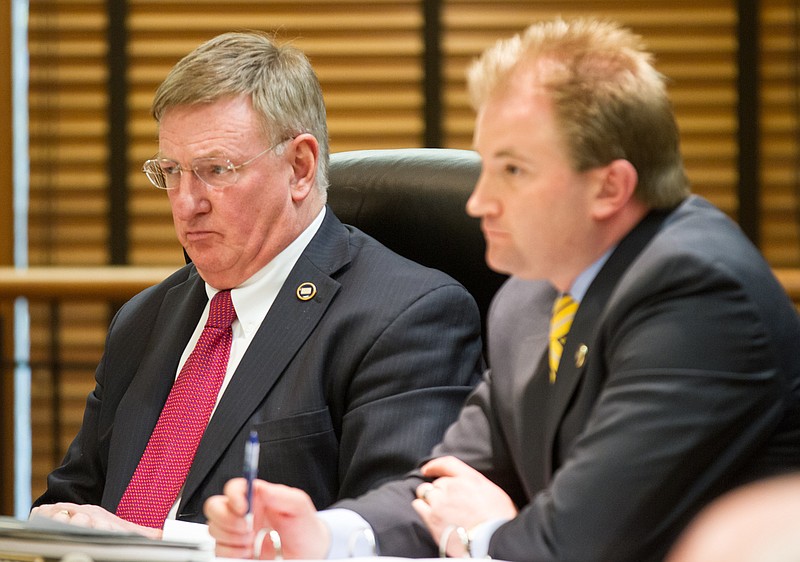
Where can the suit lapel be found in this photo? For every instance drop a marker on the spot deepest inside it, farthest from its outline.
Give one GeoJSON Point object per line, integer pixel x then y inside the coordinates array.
{"type": "Point", "coordinates": [141, 405]}
{"type": "Point", "coordinates": [584, 327]}
{"type": "Point", "coordinates": [286, 327]}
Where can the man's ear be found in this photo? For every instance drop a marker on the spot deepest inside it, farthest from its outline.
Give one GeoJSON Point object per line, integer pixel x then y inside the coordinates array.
{"type": "Point", "coordinates": [616, 186]}
{"type": "Point", "coordinates": [304, 153]}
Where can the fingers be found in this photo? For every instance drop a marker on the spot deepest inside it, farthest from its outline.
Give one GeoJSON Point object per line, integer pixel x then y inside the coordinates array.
{"type": "Point", "coordinates": [90, 516]}
{"type": "Point", "coordinates": [62, 511]}
{"type": "Point", "coordinates": [233, 538]}
{"type": "Point", "coordinates": [284, 517]}
{"type": "Point", "coordinates": [447, 466]}
{"type": "Point", "coordinates": [424, 490]}
{"type": "Point", "coordinates": [227, 525]}
{"type": "Point", "coordinates": [236, 492]}
{"type": "Point", "coordinates": [291, 513]}
{"type": "Point", "coordinates": [63, 516]}
{"type": "Point", "coordinates": [423, 509]}
{"type": "Point", "coordinates": [238, 551]}
{"type": "Point", "coordinates": [220, 512]}
{"type": "Point", "coordinates": [285, 500]}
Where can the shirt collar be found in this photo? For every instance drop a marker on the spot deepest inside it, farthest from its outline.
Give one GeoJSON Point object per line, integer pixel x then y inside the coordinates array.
{"type": "Point", "coordinates": [253, 298]}
{"type": "Point", "coordinates": [582, 282]}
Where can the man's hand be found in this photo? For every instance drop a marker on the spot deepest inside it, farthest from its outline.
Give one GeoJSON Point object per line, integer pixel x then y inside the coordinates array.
{"type": "Point", "coordinates": [459, 495]}
{"type": "Point", "coordinates": [92, 516]}
{"type": "Point", "coordinates": [288, 511]}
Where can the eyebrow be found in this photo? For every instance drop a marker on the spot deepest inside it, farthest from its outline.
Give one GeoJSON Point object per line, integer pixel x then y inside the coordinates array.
{"type": "Point", "coordinates": [510, 153]}
{"type": "Point", "coordinates": [213, 154]}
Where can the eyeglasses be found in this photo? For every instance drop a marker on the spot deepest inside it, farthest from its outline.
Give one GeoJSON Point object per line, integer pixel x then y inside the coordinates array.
{"type": "Point", "coordinates": [214, 171]}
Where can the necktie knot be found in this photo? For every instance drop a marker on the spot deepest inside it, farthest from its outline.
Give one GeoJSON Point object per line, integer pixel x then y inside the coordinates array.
{"type": "Point", "coordinates": [221, 313]}
{"type": "Point", "coordinates": [564, 311]}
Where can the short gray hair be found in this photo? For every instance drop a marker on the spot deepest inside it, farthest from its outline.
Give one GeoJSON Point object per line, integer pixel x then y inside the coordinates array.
{"type": "Point", "coordinates": [279, 79]}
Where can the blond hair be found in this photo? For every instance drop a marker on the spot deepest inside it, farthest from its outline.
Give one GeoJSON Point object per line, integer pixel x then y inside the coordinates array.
{"type": "Point", "coordinates": [609, 101]}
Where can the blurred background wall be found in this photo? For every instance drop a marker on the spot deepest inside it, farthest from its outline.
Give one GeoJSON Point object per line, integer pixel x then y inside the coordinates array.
{"type": "Point", "coordinates": [393, 76]}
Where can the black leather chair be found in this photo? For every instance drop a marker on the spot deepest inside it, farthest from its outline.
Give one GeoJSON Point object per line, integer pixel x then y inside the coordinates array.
{"type": "Point", "coordinates": [413, 201]}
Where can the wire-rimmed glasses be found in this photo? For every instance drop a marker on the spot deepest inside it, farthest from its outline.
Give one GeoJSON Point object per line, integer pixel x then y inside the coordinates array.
{"type": "Point", "coordinates": [214, 171]}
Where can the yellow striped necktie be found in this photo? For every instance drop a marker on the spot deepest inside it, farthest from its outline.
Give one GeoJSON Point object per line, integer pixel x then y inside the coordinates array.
{"type": "Point", "coordinates": [563, 312]}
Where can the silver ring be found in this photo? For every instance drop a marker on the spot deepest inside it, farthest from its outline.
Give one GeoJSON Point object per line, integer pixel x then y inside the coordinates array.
{"type": "Point", "coordinates": [276, 544]}
{"type": "Point", "coordinates": [258, 543]}
{"type": "Point", "coordinates": [463, 536]}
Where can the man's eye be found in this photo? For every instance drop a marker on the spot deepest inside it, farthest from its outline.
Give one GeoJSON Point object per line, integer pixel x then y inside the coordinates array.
{"type": "Point", "coordinates": [211, 168]}
{"type": "Point", "coordinates": [170, 169]}
{"type": "Point", "coordinates": [512, 170]}
{"type": "Point", "coordinates": [218, 169]}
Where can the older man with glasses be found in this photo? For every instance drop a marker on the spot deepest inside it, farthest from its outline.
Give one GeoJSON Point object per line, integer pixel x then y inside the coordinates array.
{"type": "Point", "coordinates": [344, 361]}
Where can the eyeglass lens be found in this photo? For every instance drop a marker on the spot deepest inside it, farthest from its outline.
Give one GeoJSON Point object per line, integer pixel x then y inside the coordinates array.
{"type": "Point", "coordinates": [213, 171]}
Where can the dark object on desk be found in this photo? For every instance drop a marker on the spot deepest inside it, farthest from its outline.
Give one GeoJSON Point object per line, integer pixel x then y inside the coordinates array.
{"type": "Point", "coordinates": [413, 201]}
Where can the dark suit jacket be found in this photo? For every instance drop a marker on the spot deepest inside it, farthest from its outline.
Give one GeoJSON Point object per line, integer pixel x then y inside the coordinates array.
{"type": "Point", "coordinates": [690, 386]}
{"type": "Point", "coordinates": [346, 390]}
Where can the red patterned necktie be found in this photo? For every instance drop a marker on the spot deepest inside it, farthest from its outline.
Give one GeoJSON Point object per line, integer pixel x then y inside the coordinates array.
{"type": "Point", "coordinates": [165, 463]}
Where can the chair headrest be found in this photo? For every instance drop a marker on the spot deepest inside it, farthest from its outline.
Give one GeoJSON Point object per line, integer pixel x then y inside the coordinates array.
{"type": "Point", "coordinates": [413, 201]}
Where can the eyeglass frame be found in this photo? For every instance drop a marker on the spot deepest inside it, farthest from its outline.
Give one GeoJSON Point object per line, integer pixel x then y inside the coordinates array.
{"type": "Point", "coordinates": [231, 167]}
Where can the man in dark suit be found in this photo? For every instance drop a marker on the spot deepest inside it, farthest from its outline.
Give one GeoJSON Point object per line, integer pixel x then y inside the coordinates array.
{"type": "Point", "coordinates": [678, 377]}
{"type": "Point", "coordinates": [347, 359]}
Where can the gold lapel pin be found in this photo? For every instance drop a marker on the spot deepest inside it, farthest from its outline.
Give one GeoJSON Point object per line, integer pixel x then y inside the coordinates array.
{"type": "Point", "coordinates": [306, 291]}
{"type": "Point", "coordinates": [580, 355]}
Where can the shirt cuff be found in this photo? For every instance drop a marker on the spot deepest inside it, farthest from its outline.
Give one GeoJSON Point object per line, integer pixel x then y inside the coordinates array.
{"type": "Point", "coordinates": [186, 531]}
{"type": "Point", "coordinates": [481, 535]}
{"type": "Point", "coordinates": [351, 535]}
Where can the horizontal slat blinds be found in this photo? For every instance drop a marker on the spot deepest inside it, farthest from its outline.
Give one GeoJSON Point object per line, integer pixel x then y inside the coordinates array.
{"type": "Point", "coordinates": [68, 127]}
{"type": "Point", "coordinates": [694, 46]}
{"type": "Point", "coordinates": [780, 134]}
{"type": "Point", "coordinates": [68, 222]}
{"type": "Point", "coordinates": [367, 55]}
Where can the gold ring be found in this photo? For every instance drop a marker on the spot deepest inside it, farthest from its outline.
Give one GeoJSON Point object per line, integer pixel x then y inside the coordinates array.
{"type": "Point", "coordinates": [424, 490]}
{"type": "Point", "coordinates": [65, 512]}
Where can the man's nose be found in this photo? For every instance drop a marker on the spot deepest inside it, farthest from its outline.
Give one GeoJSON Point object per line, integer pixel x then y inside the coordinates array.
{"type": "Point", "coordinates": [478, 203]}
{"type": "Point", "coordinates": [189, 196]}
